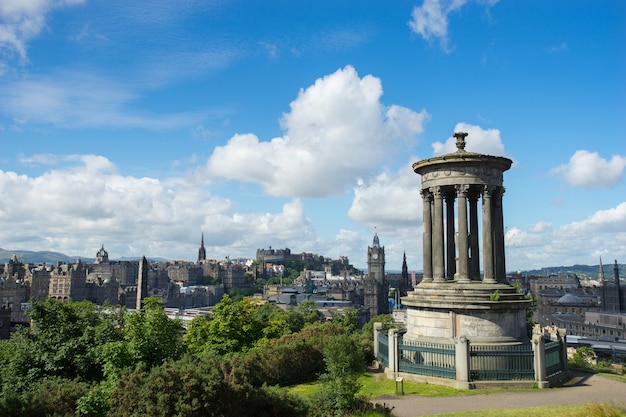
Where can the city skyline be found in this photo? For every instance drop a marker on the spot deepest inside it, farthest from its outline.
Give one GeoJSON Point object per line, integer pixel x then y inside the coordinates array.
{"type": "Point", "coordinates": [295, 125]}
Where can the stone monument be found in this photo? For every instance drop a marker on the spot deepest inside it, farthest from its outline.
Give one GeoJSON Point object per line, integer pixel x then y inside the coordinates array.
{"type": "Point", "coordinates": [455, 300]}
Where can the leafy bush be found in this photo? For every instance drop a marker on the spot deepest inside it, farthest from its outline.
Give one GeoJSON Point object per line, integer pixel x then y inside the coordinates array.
{"type": "Point", "coordinates": [193, 388]}
{"type": "Point", "coordinates": [584, 357]}
{"type": "Point", "coordinates": [52, 397]}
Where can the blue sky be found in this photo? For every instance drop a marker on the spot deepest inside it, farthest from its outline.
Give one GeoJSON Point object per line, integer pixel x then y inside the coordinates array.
{"type": "Point", "coordinates": [141, 125]}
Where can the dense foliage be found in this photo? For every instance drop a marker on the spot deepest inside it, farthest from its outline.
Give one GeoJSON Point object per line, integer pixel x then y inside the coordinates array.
{"type": "Point", "coordinates": [78, 359]}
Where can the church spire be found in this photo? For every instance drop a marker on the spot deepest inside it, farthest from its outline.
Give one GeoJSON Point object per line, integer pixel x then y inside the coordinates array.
{"type": "Point", "coordinates": [202, 250]}
{"type": "Point", "coordinates": [404, 284]}
{"type": "Point", "coordinates": [601, 273]}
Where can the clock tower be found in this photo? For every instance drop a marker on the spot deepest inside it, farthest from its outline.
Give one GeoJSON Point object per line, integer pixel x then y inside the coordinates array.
{"type": "Point", "coordinates": [376, 287]}
{"type": "Point", "coordinates": [376, 261]}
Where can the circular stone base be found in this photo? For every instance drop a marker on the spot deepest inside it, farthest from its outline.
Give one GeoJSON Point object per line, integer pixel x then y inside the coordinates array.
{"type": "Point", "coordinates": [484, 313]}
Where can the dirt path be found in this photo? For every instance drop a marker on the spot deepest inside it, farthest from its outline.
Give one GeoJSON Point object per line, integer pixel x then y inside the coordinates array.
{"type": "Point", "coordinates": [584, 388]}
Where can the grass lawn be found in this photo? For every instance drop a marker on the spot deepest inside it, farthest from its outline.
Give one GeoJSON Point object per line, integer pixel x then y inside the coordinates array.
{"type": "Point", "coordinates": [621, 378]}
{"type": "Point", "coordinates": [373, 387]}
{"type": "Point", "coordinates": [376, 385]}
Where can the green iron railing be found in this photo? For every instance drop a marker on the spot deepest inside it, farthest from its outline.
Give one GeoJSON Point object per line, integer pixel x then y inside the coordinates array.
{"type": "Point", "coordinates": [554, 365]}
{"type": "Point", "coordinates": [383, 349]}
{"type": "Point", "coordinates": [498, 363]}
{"type": "Point", "coordinates": [425, 358]}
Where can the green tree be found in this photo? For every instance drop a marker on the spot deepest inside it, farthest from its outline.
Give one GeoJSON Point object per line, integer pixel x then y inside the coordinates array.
{"type": "Point", "coordinates": [197, 334]}
{"type": "Point", "coordinates": [234, 326]}
{"type": "Point", "coordinates": [64, 341]}
{"type": "Point", "coordinates": [310, 313]}
{"type": "Point", "coordinates": [337, 395]}
{"type": "Point", "coordinates": [150, 336]}
{"type": "Point", "coordinates": [348, 320]}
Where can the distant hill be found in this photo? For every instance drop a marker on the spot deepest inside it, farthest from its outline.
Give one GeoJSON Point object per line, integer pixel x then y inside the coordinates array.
{"type": "Point", "coordinates": [582, 271]}
{"type": "Point", "coordinates": [49, 257]}
{"type": "Point", "coordinates": [28, 256]}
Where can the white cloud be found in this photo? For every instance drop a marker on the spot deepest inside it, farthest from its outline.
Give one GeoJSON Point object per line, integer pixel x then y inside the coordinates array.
{"type": "Point", "coordinates": [391, 204]}
{"type": "Point", "coordinates": [72, 99]}
{"type": "Point", "coordinates": [87, 203]}
{"type": "Point", "coordinates": [540, 227]}
{"type": "Point", "coordinates": [612, 220]}
{"type": "Point", "coordinates": [579, 242]}
{"type": "Point", "coordinates": [589, 170]}
{"type": "Point", "coordinates": [430, 20]}
{"type": "Point", "coordinates": [536, 235]}
{"type": "Point", "coordinates": [23, 20]}
{"type": "Point", "coordinates": [257, 229]}
{"type": "Point", "coordinates": [337, 130]}
{"type": "Point", "coordinates": [389, 201]}
{"type": "Point", "coordinates": [39, 159]}
{"type": "Point", "coordinates": [485, 141]}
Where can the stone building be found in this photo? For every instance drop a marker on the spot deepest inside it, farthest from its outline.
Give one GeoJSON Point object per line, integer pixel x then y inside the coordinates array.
{"type": "Point", "coordinates": [588, 312]}
{"type": "Point", "coordinates": [68, 282]}
{"type": "Point", "coordinates": [613, 294]}
{"type": "Point", "coordinates": [272, 255]}
{"type": "Point", "coordinates": [562, 282]}
{"type": "Point", "coordinates": [185, 273]}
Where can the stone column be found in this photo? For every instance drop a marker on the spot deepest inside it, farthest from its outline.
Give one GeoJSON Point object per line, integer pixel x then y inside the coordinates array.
{"type": "Point", "coordinates": [488, 271]}
{"type": "Point", "coordinates": [393, 351]}
{"type": "Point", "coordinates": [438, 241]}
{"type": "Point", "coordinates": [463, 238]}
{"type": "Point", "coordinates": [450, 244]}
{"type": "Point", "coordinates": [500, 264]}
{"type": "Point", "coordinates": [539, 351]}
{"type": "Point", "coordinates": [562, 333]}
{"type": "Point", "coordinates": [427, 228]}
{"type": "Point", "coordinates": [378, 327]}
{"type": "Point", "coordinates": [474, 267]}
{"type": "Point", "coordinates": [462, 363]}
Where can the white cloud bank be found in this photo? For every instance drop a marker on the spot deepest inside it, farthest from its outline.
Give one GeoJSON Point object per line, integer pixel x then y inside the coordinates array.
{"type": "Point", "coordinates": [587, 169]}
{"type": "Point", "coordinates": [601, 234]}
{"type": "Point", "coordinates": [337, 131]}
{"type": "Point", "coordinates": [87, 203]}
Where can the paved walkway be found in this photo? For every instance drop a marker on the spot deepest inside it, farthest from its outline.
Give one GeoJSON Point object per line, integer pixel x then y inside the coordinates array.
{"type": "Point", "coordinates": [584, 388]}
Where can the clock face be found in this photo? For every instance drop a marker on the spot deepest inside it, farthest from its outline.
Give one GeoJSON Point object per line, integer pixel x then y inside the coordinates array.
{"type": "Point", "coordinates": [374, 256]}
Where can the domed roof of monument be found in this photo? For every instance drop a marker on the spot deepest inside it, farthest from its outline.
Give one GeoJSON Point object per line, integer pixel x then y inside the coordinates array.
{"type": "Point", "coordinates": [461, 156]}
{"type": "Point", "coordinates": [570, 299]}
